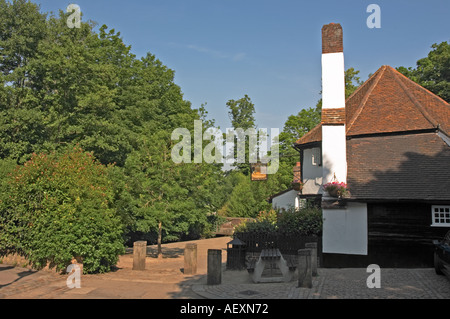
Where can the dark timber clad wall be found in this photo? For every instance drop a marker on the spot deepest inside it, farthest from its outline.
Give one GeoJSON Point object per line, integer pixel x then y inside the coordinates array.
{"type": "Point", "coordinates": [400, 235]}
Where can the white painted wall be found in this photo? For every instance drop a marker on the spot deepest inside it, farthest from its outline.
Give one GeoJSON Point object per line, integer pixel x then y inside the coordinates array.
{"type": "Point", "coordinates": [312, 174]}
{"type": "Point", "coordinates": [286, 200]}
{"type": "Point", "coordinates": [334, 153]}
{"type": "Point", "coordinates": [345, 230]}
{"type": "Point", "coordinates": [333, 80]}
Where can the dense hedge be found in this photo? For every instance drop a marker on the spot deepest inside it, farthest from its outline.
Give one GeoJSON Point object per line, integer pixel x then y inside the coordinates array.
{"type": "Point", "coordinates": [56, 207]}
{"type": "Point", "coordinates": [302, 222]}
{"type": "Point", "coordinates": [305, 222]}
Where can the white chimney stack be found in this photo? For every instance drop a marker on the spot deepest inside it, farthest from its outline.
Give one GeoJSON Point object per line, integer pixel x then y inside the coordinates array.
{"type": "Point", "coordinates": [334, 154]}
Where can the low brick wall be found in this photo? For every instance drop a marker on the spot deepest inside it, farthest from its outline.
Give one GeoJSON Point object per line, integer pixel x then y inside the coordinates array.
{"type": "Point", "coordinates": [15, 260]}
{"type": "Point", "coordinates": [227, 228]}
{"type": "Point", "coordinates": [19, 261]}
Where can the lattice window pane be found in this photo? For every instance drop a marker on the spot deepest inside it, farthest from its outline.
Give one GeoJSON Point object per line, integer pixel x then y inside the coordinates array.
{"type": "Point", "coordinates": [440, 215]}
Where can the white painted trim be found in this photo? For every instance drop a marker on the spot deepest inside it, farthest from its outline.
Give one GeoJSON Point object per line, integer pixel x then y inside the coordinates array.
{"type": "Point", "coordinates": [433, 223]}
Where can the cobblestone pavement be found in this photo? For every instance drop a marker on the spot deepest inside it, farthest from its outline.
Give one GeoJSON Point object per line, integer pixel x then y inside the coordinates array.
{"type": "Point", "coordinates": [164, 279]}
{"type": "Point", "coordinates": [349, 283]}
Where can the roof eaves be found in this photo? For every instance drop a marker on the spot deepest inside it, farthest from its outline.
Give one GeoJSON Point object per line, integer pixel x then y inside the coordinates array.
{"type": "Point", "coordinates": [300, 142]}
{"type": "Point", "coordinates": [279, 194]}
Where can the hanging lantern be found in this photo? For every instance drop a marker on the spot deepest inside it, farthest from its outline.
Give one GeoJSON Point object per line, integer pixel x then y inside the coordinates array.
{"type": "Point", "coordinates": [258, 172]}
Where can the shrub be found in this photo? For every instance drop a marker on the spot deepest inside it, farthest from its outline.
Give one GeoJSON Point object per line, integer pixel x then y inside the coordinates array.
{"type": "Point", "coordinates": [58, 207]}
{"type": "Point", "coordinates": [213, 222]}
{"type": "Point", "coordinates": [302, 222]}
{"type": "Point", "coordinates": [271, 216]}
{"type": "Point", "coordinates": [256, 226]}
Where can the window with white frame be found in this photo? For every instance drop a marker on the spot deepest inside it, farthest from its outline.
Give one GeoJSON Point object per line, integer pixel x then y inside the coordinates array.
{"type": "Point", "coordinates": [316, 157]}
{"type": "Point", "coordinates": [440, 215]}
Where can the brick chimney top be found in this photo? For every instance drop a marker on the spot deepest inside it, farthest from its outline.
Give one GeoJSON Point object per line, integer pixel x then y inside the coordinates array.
{"type": "Point", "coordinates": [332, 38]}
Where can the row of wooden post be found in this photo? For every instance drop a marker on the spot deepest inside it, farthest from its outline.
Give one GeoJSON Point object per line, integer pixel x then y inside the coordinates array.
{"type": "Point", "coordinates": [307, 262]}
{"type": "Point", "coordinates": [190, 257]}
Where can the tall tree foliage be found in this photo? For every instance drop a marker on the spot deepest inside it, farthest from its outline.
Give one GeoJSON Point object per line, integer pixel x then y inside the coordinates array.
{"type": "Point", "coordinates": [242, 116]}
{"type": "Point", "coordinates": [433, 71]}
{"type": "Point", "coordinates": [61, 87]}
{"type": "Point", "coordinates": [247, 198]}
{"type": "Point", "coordinates": [242, 113]}
{"type": "Point", "coordinates": [22, 27]}
{"type": "Point", "coordinates": [171, 200]}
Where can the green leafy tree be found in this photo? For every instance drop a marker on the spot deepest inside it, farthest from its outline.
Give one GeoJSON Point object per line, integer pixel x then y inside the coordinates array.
{"type": "Point", "coordinates": [22, 27]}
{"type": "Point", "coordinates": [75, 77]}
{"type": "Point", "coordinates": [171, 200]}
{"type": "Point", "coordinates": [352, 81]}
{"type": "Point", "coordinates": [57, 207]}
{"type": "Point", "coordinates": [242, 202]}
{"type": "Point", "coordinates": [62, 87]}
{"type": "Point", "coordinates": [433, 71]}
{"type": "Point", "coordinates": [249, 198]}
{"type": "Point", "coordinates": [296, 126]}
{"type": "Point", "coordinates": [241, 113]}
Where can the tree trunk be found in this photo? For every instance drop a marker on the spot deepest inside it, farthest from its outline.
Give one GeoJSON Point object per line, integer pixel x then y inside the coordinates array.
{"type": "Point", "coordinates": [159, 240]}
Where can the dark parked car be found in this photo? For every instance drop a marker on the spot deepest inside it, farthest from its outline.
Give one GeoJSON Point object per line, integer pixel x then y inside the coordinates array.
{"type": "Point", "coordinates": [442, 255]}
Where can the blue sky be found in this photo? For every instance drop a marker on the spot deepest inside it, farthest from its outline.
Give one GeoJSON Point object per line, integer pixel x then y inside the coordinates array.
{"type": "Point", "coordinates": [270, 50]}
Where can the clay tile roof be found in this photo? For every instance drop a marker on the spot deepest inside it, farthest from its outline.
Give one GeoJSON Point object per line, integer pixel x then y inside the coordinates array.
{"type": "Point", "coordinates": [409, 167]}
{"type": "Point", "coordinates": [313, 136]}
{"type": "Point", "coordinates": [389, 102]}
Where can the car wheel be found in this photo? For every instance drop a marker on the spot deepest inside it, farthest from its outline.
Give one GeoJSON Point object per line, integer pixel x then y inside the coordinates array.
{"type": "Point", "coordinates": [437, 264]}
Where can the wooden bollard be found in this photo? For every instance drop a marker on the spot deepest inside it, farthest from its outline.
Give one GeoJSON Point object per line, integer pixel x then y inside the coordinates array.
{"type": "Point", "coordinates": [214, 276]}
{"type": "Point", "coordinates": [190, 259]}
{"type": "Point", "coordinates": [139, 255]}
{"type": "Point", "coordinates": [304, 268]}
{"type": "Point", "coordinates": [313, 247]}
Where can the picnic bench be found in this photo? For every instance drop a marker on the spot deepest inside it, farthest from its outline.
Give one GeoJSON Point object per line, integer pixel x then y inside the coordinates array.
{"type": "Point", "coordinates": [269, 257]}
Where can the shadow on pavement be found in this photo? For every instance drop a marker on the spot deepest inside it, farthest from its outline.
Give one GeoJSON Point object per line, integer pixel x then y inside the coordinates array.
{"type": "Point", "coordinates": [167, 252]}
{"type": "Point", "coordinates": [185, 288]}
{"type": "Point", "coordinates": [20, 275]}
{"type": "Point", "coordinates": [6, 268]}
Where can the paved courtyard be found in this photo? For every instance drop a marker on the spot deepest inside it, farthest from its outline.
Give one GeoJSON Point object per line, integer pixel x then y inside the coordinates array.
{"type": "Point", "coordinates": [164, 279]}
{"type": "Point", "coordinates": [348, 283]}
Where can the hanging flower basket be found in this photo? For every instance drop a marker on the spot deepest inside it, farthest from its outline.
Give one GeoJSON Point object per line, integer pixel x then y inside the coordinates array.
{"type": "Point", "coordinates": [336, 189]}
